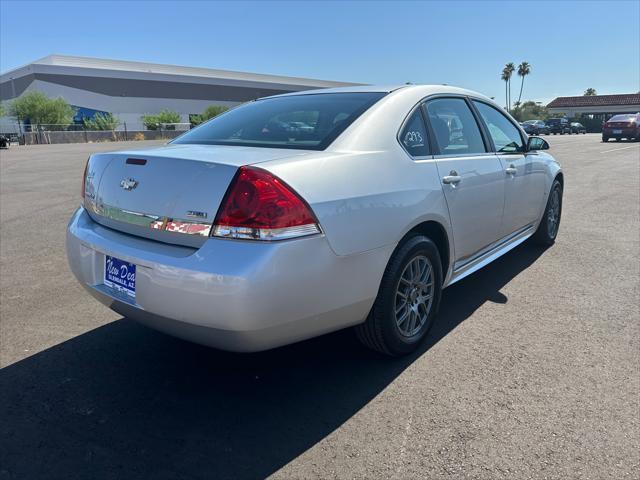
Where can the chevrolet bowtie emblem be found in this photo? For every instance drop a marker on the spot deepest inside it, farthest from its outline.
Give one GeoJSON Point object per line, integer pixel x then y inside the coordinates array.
{"type": "Point", "coordinates": [129, 183]}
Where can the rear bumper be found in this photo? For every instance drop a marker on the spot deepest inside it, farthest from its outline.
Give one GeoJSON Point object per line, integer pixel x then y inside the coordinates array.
{"type": "Point", "coordinates": [230, 294]}
{"type": "Point", "coordinates": [624, 133]}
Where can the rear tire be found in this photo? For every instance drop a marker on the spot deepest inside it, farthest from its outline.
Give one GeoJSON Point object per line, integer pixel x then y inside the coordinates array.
{"type": "Point", "coordinates": [409, 295]}
{"type": "Point", "coordinates": [550, 224]}
{"type": "Point", "coordinates": [605, 139]}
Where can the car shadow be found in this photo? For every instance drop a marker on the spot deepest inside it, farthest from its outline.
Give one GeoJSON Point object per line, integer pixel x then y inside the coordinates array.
{"type": "Point", "coordinates": [123, 401]}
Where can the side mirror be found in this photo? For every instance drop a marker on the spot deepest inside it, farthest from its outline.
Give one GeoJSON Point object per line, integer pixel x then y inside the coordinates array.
{"type": "Point", "coordinates": [537, 143]}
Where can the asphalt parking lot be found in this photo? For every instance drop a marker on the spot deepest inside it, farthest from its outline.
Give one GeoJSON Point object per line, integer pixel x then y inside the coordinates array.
{"type": "Point", "coordinates": [533, 370]}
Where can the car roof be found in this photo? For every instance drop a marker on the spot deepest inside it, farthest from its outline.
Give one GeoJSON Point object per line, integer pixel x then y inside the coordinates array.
{"type": "Point", "coordinates": [354, 89]}
{"type": "Point", "coordinates": [421, 90]}
{"type": "Point", "coordinates": [626, 115]}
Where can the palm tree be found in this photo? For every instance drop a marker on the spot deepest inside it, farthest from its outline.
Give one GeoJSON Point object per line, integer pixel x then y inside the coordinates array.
{"type": "Point", "coordinates": [590, 92]}
{"type": "Point", "coordinates": [509, 68]}
{"type": "Point", "coordinates": [505, 78]}
{"type": "Point", "coordinates": [524, 69]}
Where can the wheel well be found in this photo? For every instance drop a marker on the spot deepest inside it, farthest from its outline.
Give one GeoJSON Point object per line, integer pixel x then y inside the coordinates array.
{"type": "Point", "coordinates": [438, 235]}
{"type": "Point", "coordinates": [560, 178]}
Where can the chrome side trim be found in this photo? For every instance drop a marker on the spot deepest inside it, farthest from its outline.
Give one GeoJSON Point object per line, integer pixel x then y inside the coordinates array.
{"type": "Point", "coordinates": [489, 254]}
{"type": "Point", "coordinates": [465, 261]}
{"type": "Point", "coordinates": [155, 222]}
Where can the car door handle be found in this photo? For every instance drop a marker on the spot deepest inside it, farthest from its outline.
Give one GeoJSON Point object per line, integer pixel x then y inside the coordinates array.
{"type": "Point", "coordinates": [511, 170]}
{"type": "Point", "coordinates": [452, 179]}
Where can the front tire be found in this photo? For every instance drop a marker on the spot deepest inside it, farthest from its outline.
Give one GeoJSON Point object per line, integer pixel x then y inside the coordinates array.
{"type": "Point", "coordinates": [407, 301]}
{"type": "Point", "coordinates": [550, 223]}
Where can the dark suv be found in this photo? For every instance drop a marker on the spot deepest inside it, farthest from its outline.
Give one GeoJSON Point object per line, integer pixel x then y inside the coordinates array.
{"type": "Point", "coordinates": [559, 125]}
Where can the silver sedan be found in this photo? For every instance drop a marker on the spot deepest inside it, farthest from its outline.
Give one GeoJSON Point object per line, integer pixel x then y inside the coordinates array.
{"type": "Point", "coordinates": [297, 215]}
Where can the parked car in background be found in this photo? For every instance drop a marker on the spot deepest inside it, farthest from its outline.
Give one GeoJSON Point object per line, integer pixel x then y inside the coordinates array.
{"type": "Point", "coordinates": [578, 128]}
{"type": "Point", "coordinates": [622, 126]}
{"type": "Point", "coordinates": [244, 237]}
{"type": "Point", "coordinates": [559, 125]}
{"type": "Point", "coordinates": [535, 127]}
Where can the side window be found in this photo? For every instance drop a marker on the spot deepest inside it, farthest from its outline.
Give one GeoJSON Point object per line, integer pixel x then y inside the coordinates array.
{"type": "Point", "coordinates": [414, 136]}
{"type": "Point", "coordinates": [506, 137]}
{"type": "Point", "coordinates": [455, 127]}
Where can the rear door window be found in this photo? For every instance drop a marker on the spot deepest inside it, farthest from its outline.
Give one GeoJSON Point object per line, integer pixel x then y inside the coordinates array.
{"type": "Point", "coordinates": [414, 136]}
{"type": "Point", "coordinates": [454, 126]}
{"type": "Point", "coordinates": [506, 137]}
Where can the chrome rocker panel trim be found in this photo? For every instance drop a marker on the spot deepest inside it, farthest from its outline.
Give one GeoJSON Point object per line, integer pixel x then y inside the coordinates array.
{"type": "Point", "coordinates": [489, 254]}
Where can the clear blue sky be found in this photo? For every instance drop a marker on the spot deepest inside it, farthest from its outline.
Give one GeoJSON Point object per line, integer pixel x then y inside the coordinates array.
{"type": "Point", "coordinates": [571, 45]}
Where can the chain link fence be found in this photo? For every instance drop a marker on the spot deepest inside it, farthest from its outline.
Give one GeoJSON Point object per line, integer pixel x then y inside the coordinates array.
{"type": "Point", "coordinates": [38, 134]}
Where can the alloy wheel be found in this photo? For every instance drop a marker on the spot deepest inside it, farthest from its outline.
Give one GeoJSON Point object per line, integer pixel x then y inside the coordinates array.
{"type": "Point", "coordinates": [553, 215]}
{"type": "Point", "coordinates": [414, 296]}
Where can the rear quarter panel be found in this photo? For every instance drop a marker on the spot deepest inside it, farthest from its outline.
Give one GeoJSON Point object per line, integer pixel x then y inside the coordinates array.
{"type": "Point", "coordinates": [366, 200]}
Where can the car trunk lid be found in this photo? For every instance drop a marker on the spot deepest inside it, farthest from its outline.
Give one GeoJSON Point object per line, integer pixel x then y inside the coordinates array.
{"type": "Point", "coordinates": [170, 194]}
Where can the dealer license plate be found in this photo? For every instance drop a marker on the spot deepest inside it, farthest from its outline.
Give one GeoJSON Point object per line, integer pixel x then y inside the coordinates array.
{"type": "Point", "coordinates": [120, 275]}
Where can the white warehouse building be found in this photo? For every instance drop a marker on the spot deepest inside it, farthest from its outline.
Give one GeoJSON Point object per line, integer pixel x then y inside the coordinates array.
{"type": "Point", "coordinates": [132, 89]}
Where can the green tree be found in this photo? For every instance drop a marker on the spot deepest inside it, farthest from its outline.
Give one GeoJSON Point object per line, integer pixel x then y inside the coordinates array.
{"type": "Point", "coordinates": [40, 109]}
{"type": "Point", "coordinates": [590, 92]}
{"type": "Point", "coordinates": [3, 110]}
{"type": "Point", "coordinates": [530, 111]}
{"type": "Point", "coordinates": [152, 122]}
{"type": "Point", "coordinates": [210, 112]}
{"type": "Point", "coordinates": [524, 69]}
{"type": "Point", "coordinates": [100, 121]}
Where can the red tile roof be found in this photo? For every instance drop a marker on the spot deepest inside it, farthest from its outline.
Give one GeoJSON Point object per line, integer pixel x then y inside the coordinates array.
{"type": "Point", "coordinates": [596, 101]}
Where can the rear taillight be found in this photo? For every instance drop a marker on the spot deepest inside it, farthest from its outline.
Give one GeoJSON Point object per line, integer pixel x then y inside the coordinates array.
{"type": "Point", "coordinates": [260, 206]}
{"type": "Point", "coordinates": [84, 178]}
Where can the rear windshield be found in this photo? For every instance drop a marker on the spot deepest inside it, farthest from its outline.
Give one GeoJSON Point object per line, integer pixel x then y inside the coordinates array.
{"type": "Point", "coordinates": [622, 118]}
{"type": "Point", "coordinates": [308, 122]}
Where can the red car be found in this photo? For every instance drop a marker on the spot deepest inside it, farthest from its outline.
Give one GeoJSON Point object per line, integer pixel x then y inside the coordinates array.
{"type": "Point", "coordinates": [622, 126]}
